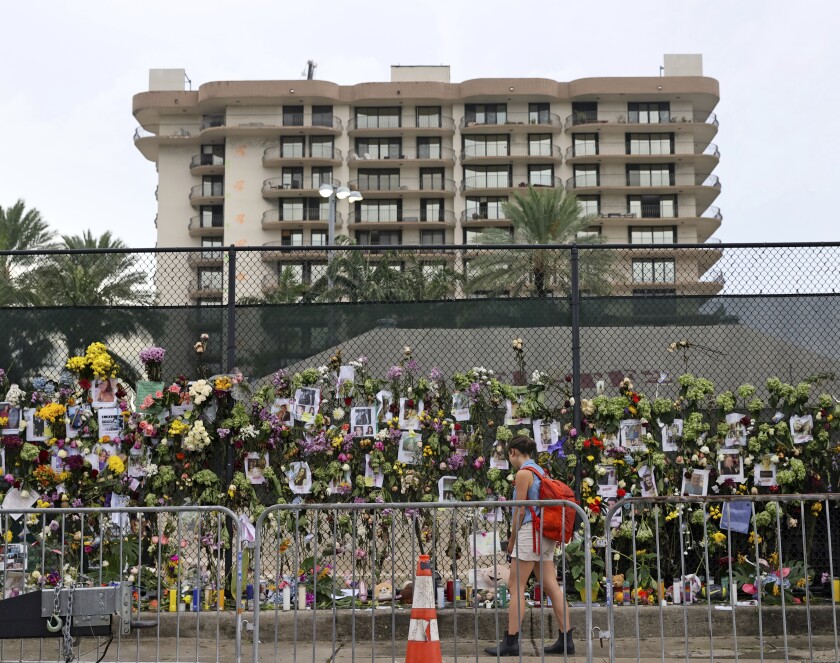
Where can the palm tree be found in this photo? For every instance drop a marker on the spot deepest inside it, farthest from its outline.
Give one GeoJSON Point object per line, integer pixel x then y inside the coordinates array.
{"type": "Point", "coordinates": [542, 216]}
{"type": "Point", "coordinates": [21, 229]}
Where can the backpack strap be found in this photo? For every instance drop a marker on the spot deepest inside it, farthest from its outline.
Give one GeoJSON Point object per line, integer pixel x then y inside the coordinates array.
{"type": "Point", "coordinates": [534, 517]}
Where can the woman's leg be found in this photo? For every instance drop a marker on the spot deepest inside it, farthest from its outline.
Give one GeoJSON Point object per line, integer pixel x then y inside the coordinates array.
{"type": "Point", "coordinates": [520, 571]}
{"type": "Point", "coordinates": [547, 577]}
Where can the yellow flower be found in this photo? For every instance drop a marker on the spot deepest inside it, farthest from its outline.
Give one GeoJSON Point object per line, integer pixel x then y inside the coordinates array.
{"type": "Point", "coordinates": [742, 558]}
{"type": "Point", "coordinates": [116, 465]}
{"type": "Point", "coordinates": [178, 427]}
{"type": "Point", "coordinates": [4, 421]}
{"type": "Point", "coordinates": [816, 509]}
{"type": "Point", "coordinates": [719, 537]}
{"type": "Point", "coordinates": [590, 458]}
{"type": "Point", "coordinates": [776, 590]}
{"type": "Point", "coordinates": [9, 536]}
{"type": "Point", "coordinates": [223, 383]}
{"type": "Point", "coordinates": [51, 412]}
{"type": "Point", "coordinates": [76, 364]}
{"type": "Point", "coordinates": [755, 538]}
{"type": "Point", "coordinates": [773, 558]}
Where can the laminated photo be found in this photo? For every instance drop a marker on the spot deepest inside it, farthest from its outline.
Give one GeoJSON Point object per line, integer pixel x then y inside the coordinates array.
{"type": "Point", "coordinates": [76, 418]}
{"type": "Point", "coordinates": [696, 483]}
{"type": "Point", "coordinates": [736, 434]}
{"type": "Point", "coordinates": [373, 479]}
{"type": "Point", "coordinates": [105, 392]}
{"type": "Point", "coordinates": [736, 516]}
{"type": "Point", "coordinates": [631, 435]}
{"type": "Point", "coordinates": [411, 448]}
{"type": "Point", "coordinates": [670, 434]}
{"type": "Point", "coordinates": [610, 440]}
{"type": "Point", "coordinates": [498, 459]}
{"type": "Point", "coordinates": [513, 417]}
{"type": "Point", "coordinates": [461, 406]}
{"type": "Point", "coordinates": [282, 409]}
{"type": "Point", "coordinates": [138, 459]}
{"type": "Point", "coordinates": [445, 489]}
{"type": "Point", "coordinates": [647, 481]}
{"type": "Point", "coordinates": [410, 414]}
{"type": "Point", "coordinates": [255, 465]}
{"type": "Point", "coordinates": [363, 421]}
{"type": "Point", "coordinates": [11, 415]}
{"type": "Point", "coordinates": [384, 400]}
{"type": "Point", "coordinates": [37, 429]}
{"type": "Point", "coordinates": [607, 480]}
{"type": "Point", "coordinates": [615, 520]}
{"type": "Point", "coordinates": [546, 433]}
{"type": "Point", "coordinates": [101, 453]}
{"type": "Point", "coordinates": [731, 467]}
{"type": "Point", "coordinates": [307, 402]}
{"type": "Point", "coordinates": [802, 428]}
{"type": "Point", "coordinates": [765, 472]}
{"type": "Point", "coordinates": [110, 422]}
{"type": "Point", "coordinates": [300, 478]}
{"type": "Point", "coordinates": [346, 374]}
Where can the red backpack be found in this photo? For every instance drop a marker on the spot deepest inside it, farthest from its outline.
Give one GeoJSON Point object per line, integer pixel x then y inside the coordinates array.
{"type": "Point", "coordinates": [558, 522]}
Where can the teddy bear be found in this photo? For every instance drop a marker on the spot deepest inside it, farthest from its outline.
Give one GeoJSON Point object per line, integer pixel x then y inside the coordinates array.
{"type": "Point", "coordinates": [487, 580]}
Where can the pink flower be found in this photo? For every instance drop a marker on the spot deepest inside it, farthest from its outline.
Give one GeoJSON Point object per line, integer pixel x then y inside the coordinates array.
{"type": "Point", "coordinates": [175, 389]}
{"type": "Point", "coordinates": [147, 403]}
{"type": "Point", "coordinates": [158, 394]}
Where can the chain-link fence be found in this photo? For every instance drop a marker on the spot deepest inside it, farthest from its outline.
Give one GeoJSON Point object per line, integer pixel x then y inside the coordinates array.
{"type": "Point", "coordinates": [738, 313]}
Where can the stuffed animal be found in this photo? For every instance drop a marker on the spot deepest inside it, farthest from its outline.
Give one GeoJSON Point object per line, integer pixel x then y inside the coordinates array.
{"type": "Point", "coordinates": [488, 579]}
{"type": "Point", "coordinates": [407, 593]}
{"type": "Point", "coordinates": [384, 591]}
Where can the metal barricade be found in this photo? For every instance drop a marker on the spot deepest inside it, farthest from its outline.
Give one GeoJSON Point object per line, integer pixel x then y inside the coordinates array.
{"type": "Point", "coordinates": [319, 561]}
{"type": "Point", "coordinates": [769, 588]}
{"type": "Point", "coordinates": [68, 572]}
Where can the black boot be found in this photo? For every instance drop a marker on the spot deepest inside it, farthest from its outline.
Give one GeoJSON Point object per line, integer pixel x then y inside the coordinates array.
{"type": "Point", "coordinates": [507, 647]}
{"type": "Point", "coordinates": [564, 644]}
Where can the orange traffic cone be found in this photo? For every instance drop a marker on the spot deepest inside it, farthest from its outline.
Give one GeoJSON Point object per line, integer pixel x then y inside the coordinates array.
{"type": "Point", "coordinates": [423, 638]}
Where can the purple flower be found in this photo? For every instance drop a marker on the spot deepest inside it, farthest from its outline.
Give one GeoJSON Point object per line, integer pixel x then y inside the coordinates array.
{"type": "Point", "coordinates": [456, 461]}
{"type": "Point", "coordinates": [558, 448]}
{"type": "Point", "coordinates": [435, 374]}
{"type": "Point", "coordinates": [411, 364]}
{"type": "Point", "coordinates": [362, 360]}
{"type": "Point", "coordinates": [394, 373]}
{"type": "Point", "coordinates": [152, 355]}
{"type": "Point", "coordinates": [474, 389]}
{"type": "Point", "coordinates": [222, 433]}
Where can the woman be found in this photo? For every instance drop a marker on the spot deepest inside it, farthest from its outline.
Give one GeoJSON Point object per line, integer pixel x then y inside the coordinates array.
{"type": "Point", "coordinates": [526, 560]}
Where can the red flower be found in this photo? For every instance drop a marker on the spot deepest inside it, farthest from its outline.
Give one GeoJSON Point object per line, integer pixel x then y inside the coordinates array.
{"type": "Point", "coordinates": [636, 398]}
{"type": "Point", "coordinates": [84, 383]}
{"type": "Point", "coordinates": [348, 401]}
{"type": "Point", "coordinates": [410, 402]}
{"type": "Point", "coordinates": [457, 426]}
{"type": "Point", "coordinates": [43, 456]}
{"type": "Point", "coordinates": [621, 493]}
{"type": "Point", "coordinates": [94, 474]}
{"type": "Point", "coordinates": [587, 444]}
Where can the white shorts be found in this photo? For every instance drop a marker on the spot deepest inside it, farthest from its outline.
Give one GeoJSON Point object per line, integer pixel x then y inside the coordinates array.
{"type": "Point", "coordinates": [524, 549]}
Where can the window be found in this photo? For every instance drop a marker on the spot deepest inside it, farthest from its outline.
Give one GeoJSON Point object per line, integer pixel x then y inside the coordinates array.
{"type": "Point", "coordinates": [212, 185]}
{"type": "Point", "coordinates": [652, 207]}
{"type": "Point", "coordinates": [302, 272]}
{"type": "Point", "coordinates": [649, 112]}
{"type": "Point", "coordinates": [291, 209]}
{"type": "Point", "coordinates": [652, 175]}
{"type": "Point", "coordinates": [591, 233]}
{"type": "Point", "coordinates": [429, 237]}
{"type": "Point", "coordinates": [379, 237]}
{"type": "Point", "coordinates": [322, 116]}
{"type": "Point", "coordinates": [649, 143]}
{"type": "Point", "coordinates": [379, 148]}
{"type": "Point", "coordinates": [584, 112]}
{"type": "Point", "coordinates": [485, 207]}
{"type": "Point", "coordinates": [212, 216]}
{"type": "Point", "coordinates": [589, 205]}
{"type": "Point", "coordinates": [379, 211]}
{"type": "Point", "coordinates": [539, 145]}
{"type": "Point", "coordinates": [209, 278]}
{"type": "Point", "coordinates": [322, 147]}
{"type": "Point", "coordinates": [304, 209]}
{"type": "Point", "coordinates": [428, 116]}
{"type": "Point", "coordinates": [485, 177]}
{"type": "Point", "coordinates": [653, 271]}
{"type": "Point", "coordinates": [291, 238]}
{"type": "Point", "coordinates": [212, 155]}
{"type": "Point", "coordinates": [428, 148]}
{"type": "Point", "coordinates": [291, 147]}
{"type": "Point", "coordinates": [293, 268]}
{"type": "Point", "coordinates": [431, 209]}
{"type": "Point", "coordinates": [539, 113]}
{"type": "Point", "coordinates": [383, 179]}
{"type": "Point", "coordinates": [485, 114]}
{"type": "Point", "coordinates": [292, 178]}
{"type": "Point", "coordinates": [318, 238]}
{"type": "Point", "coordinates": [486, 146]}
{"type": "Point", "coordinates": [587, 176]}
{"type": "Point", "coordinates": [431, 178]}
{"type": "Point", "coordinates": [292, 116]}
{"type": "Point", "coordinates": [216, 253]}
{"type": "Point", "coordinates": [653, 234]}
{"type": "Point", "coordinates": [431, 269]}
{"type": "Point", "coordinates": [317, 270]}
{"type": "Point", "coordinates": [212, 120]}
{"type": "Point", "coordinates": [541, 175]}
{"type": "Point", "coordinates": [585, 145]}
{"type": "Point", "coordinates": [378, 118]}
{"type": "Point", "coordinates": [321, 175]}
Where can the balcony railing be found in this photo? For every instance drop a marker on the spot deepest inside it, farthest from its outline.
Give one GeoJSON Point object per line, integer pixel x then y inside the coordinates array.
{"type": "Point", "coordinates": [604, 181]}
{"type": "Point", "coordinates": [296, 183]}
{"type": "Point", "coordinates": [207, 160]}
{"type": "Point", "coordinates": [202, 222]}
{"type": "Point", "coordinates": [406, 154]}
{"type": "Point", "coordinates": [475, 215]}
{"type": "Point", "coordinates": [581, 118]}
{"type": "Point", "coordinates": [652, 212]}
{"type": "Point", "coordinates": [470, 183]}
{"type": "Point", "coordinates": [406, 216]}
{"type": "Point", "coordinates": [481, 152]}
{"type": "Point", "coordinates": [207, 284]}
{"type": "Point", "coordinates": [539, 118]}
{"type": "Point", "coordinates": [280, 152]}
{"type": "Point", "coordinates": [299, 215]}
{"type": "Point", "coordinates": [284, 120]}
{"type": "Point", "coordinates": [408, 122]}
{"type": "Point", "coordinates": [207, 191]}
{"type": "Point", "coordinates": [621, 149]}
{"type": "Point", "coordinates": [403, 184]}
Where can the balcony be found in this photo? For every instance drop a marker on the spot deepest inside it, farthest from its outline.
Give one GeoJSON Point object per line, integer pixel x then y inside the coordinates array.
{"type": "Point", "coordinates": [522, 121]}
{"type": "Point", "coordinates": [473, 218]}
{"type": "Point", "coordinates": [206, 258]}
{"type": "Point", "coordinates": [207, 164]}
{"type": "Point", "coordinates": [407, 218]}
{"type": "Point", "coordinates": [480, 154]}
{"type": "Point", "coordinates": [201, 226]}
{"type": "Point", "coordinates": [207, 286]}
{"type": "Point", "coordinates": [702, 123]}
{"type": "Point", "coordinates": [405, 156]}
{"type": "Point", "coordinates": [395, 126]}
{"type": "Point", "coordinates": [384, 187]}
{"type": "Point", "coordinates": [291, 252]}
{"type": "Point", "coordinates": [207, 194]}
{"type": "Point", "coordinates": [494, 186]}
{"type": "Point", "coordinates": [704, 157]}
{"type": "Point", "coordinates": [708, 186]}
{"type": "Point", "coordinates": [280, 124]}
{"type": "Point", "coordinates": [308, 217]}
{"type": "Point", "coordinates": [274, 157]}
{"type": "Point", "coordinates": [281, 187]}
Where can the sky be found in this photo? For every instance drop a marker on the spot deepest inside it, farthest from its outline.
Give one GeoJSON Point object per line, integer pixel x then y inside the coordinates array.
{"type": "Point", "coordinates": [70, 69]}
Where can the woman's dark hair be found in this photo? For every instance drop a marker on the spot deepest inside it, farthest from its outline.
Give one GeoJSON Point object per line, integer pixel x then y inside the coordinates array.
{"type": "Point", "coordinates": [523, 444]}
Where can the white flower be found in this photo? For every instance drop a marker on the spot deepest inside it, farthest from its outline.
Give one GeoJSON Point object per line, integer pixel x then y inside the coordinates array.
{"type": "Point", "coordinates": [622, 484]}
{"type": "Point", "coordinates": [572, 400]}
{"type": "Point", "coordinates": [197, 437]}
{"type": "Point", "coordinates": [774, 459]}
{"type": "Point", "coordinates": [704, 449]}
{"type": "Point", "coordinates": [345, 467]}
{"type": "Point", "coordinates": [15, 395]}
{"type": "Point", "coordinates": [694, 458]}
{"type": "Point", "coordinates": [703, 462]}
{"type": "Point", "coordinates": [338, 414]}
{"type": "Point", "coordinates": [748, 460]}
{"type": "Point", "coordinates": [753, 491]}
{"type": "Point", "coordinates": [792, 522]}
{"type": "Point", "coordinates": [600, 386]}
{"type": "Point", "coordinates": [249, 431]}
{"type": "Point", "coordinates": [199, 391]}
{"type": "Point", "coordinates": [720, 458]}
{"type": "Point", "coordinates": [24, 494]}
{"type": "Point", "coordinates": [62, 453]}
{"type": "Point", "coordinates": [601, 470]}
{"type": "Point", "coordinates": [589, 481]}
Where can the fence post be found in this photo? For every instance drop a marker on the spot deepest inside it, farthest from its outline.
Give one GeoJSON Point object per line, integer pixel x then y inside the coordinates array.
{"type": "Point", "coordinates": [575, 311]}
{"type": "Point", "coordinates": [229, 366]}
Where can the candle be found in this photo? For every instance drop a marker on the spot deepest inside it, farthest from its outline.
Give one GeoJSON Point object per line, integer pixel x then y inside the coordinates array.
{"type": "Point", "coordinates": [301, 598]}
{"type": "Point", "coordinates": [836, 588]}
{"type": "Point", "coordinates": [287, 598]}
{"type": "Point", "coordinates": [208, 593]}
{"type": "Point", "coordinates": [220, 596]}
{"type": "Point", "coordinates": [173, 607]}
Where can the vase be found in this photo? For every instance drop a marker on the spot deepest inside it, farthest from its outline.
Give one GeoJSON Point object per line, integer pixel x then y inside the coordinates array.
{"type": "Point", "coordinates": [593, 594]}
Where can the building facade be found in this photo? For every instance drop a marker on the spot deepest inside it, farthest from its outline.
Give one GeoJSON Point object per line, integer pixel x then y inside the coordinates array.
{"type": "Point", "coordinates": [240, 162]}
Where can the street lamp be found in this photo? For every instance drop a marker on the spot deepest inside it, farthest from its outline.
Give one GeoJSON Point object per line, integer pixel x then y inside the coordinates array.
{"type": "Point", "coordinates": [334, 193]}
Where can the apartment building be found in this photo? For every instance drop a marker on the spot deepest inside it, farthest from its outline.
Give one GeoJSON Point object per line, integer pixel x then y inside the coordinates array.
{"type": "Point", "coordinates": [241, 162]}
